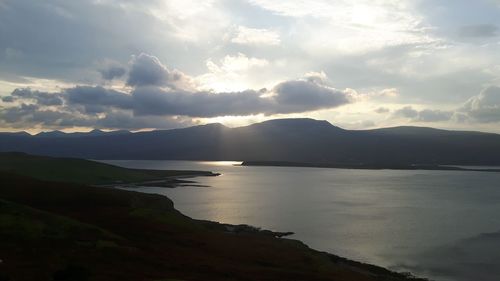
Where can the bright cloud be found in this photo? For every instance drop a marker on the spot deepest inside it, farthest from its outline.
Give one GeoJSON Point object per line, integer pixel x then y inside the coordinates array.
{"type": "Point", "coordinates": [256, 36]}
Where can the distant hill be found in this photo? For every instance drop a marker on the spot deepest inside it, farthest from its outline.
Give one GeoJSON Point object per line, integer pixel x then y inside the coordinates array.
{"type": "Point", "coordinates": [93, 133]}
{"type": "Point", "coordinates": [294, 140]}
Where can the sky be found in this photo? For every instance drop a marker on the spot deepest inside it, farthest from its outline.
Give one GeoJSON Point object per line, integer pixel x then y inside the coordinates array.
{"type": "Point", "coordinates": [160, 64]}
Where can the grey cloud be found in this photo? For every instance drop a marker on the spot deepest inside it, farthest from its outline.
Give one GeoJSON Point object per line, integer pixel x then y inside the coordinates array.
{"type": "Point", "coordinates": [147, 70]}
{"type": "Point", "coordinates": [484, 107]}
{"type": "Point", "coordinates": [382, 110]}
{"type": "Point", "coordinates": [127, 120]}
{"type": "Point", "coordinates": [301, 96]}
{"type": "Point", "coordinates": [406, 112]}
{"type": "Point", "coordinates": [8, 99]}
{"type": "Point", "coordinates": [429, 115]}
{"type": "Point", "coordinates": [287, 97]}
{"type": "Point", "coordinates": [98, 106]}
{"type": "Point", "coordinates": [479, 30]}
{"type": "Point", "coordinates": [41, 98]}
{"type": "Point", "coordinates": [63, 39]}
{"type": "Point", "coordinates": [112, 72]}
{"type": "Point", "coordinates": [426, 115]}
{"type": "Point", "coordinates": [155, 101]}
{"type": "Point", "coordinates": [16, 114]}
{"type": "Point", "coordinates": [97, 99]}
{"type": "Point", "coordinates": [29, 116]}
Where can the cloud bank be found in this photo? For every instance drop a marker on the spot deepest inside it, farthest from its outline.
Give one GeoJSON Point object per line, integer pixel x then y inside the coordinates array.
{"type": "Point", "coordinates": [157, 92]}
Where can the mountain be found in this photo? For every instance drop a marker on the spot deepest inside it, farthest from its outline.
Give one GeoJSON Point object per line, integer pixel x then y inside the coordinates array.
{"type": "Point", "coordinates": [295, 140]}
{"type": "Point", "coordinates": [95, 132]}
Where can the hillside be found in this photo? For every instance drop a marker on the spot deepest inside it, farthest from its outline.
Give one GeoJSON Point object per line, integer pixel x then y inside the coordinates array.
{"type": "Point", "coordinates": [81, 171]}
{"type": "Point", "coordinates": [293, 140]}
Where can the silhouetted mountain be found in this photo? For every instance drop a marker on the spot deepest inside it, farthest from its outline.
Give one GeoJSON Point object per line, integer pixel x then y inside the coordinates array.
{"type": "Point", "coordinates": [14, 134]}
{"type": "Point", "coordinates": [95, 132]}
{"type": "Point", "coordinates": [295, 140]}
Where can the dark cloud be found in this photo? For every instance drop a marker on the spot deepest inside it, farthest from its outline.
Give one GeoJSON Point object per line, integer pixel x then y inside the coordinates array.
{"type": "Point", "coordinates": [159, 94]}
{"type": "Point", "coordinates": [426, 115]}
{"type": "Point", "coordinates": [479, 30]}
{"type": "Point", "coordinates": [302, 96]}
{"type": "Point", "coordinates": [155, 101]}
{"type": "Point", "coordinates": [41, 98]}
{"type": "Point", "coordinates": [113, 71]}
{"type": "Point", "coordinates": [97, 99]}
{"type": "Point", "coordinates": [287, 97]}
{"type": "Point", "coordinates": [8, 99]}
{"type": "Point", "coordinates": [32, 116]}
{"type": "Point", "coordinates": [98, 106]}
{"type": "Point", "coordinates": [147, 70]}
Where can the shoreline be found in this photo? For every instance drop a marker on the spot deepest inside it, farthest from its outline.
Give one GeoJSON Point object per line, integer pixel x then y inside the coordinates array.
{"type": "Point", "coordinates": [365, 167]}
{"type": "Point", "coordinates": [245, 229]}
{"type": "Point", "coordinates": [145, 238]}
{"type": "Point", "coordinates": [165, 182]}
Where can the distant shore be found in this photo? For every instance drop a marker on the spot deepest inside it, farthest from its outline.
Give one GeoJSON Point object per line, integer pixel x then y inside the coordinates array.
{"type": "Point", "coordinates": [166, 182]}
{"type": "Point", "coordinates": [366, 166]}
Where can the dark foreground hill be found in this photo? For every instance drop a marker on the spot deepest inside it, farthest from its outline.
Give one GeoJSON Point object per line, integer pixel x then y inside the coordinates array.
{"type": "Point", "coordinates": [82, 171]}
{"type": "Point", "coordinates": [66, 231]}
{"type": "Point", "coordinates": [292, 140]}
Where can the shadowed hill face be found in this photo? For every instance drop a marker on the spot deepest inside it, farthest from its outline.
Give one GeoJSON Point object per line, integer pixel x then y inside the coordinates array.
{"type": "Point", "coordinates": [291, 124]}
{"type": "Point", "coordinates": [95, 132]}
{"type": "Point", "coordinates": [297, 140]}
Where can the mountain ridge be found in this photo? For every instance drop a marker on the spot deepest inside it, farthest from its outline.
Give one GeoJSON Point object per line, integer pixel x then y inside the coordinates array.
{"type": "Point", "coordinates": [295, 140]}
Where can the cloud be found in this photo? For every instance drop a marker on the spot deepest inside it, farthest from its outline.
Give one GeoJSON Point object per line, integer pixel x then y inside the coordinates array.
{"type": "Point", "coordinates": [479, 30]}
{"type": "Point", "coordinates": [302, 96]}
{"type": "Point", "coordinates": [484, 107]}
{"type": "Point", "coordinates": [147, 70]}
{"type": "Point", "coordinates": [406, 112]}
{"type": "Point", "coordinates": [32, 116]}
{"type": "Point", "coordinates": [41, 98]}
{"type": "Point", "coordinates": [426, 115]}
{"type": "Point", "coordinates": [382, 110]}
{"type": "Point", "coordinates": [256, 36]}
{"type": "Point", "coordinates": [429, 115]}
{"type": "Point", "coordinates": [156, 96]}
{"type": "Point", "coordinates": [232, 73]}
{"type": "Point", "coordinates": [287, 97]}
{"type": "Point", "coordinates": [97, 99]}
{"type": "Point", "coordinates": [112, 71]}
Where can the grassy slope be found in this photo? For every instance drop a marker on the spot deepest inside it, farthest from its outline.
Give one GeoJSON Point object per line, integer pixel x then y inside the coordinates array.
{"type": "Point", "coordinates": [69, 230]}
{"type": "Point", "coordinates": [78, 170]}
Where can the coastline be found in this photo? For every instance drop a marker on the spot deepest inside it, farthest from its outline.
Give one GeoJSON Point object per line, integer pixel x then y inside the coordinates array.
{"type": "Point", "coordinates": [129, 235]}
{"type": "Point", "coordinates": [366, 166]}
{"type": "Point", "coordinates": [165, 182]}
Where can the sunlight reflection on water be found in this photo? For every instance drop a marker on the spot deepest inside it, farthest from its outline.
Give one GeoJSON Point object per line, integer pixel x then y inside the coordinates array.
{"type": "Point", "coordinates": [407, 220]}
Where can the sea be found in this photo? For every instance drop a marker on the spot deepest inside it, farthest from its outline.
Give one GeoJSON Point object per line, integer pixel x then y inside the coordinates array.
{"type": "Point", "coordinates": [442, 225]}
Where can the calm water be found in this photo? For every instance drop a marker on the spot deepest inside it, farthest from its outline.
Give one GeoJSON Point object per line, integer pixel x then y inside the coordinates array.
{"type": "Point", "coordinates": [439, 224]}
